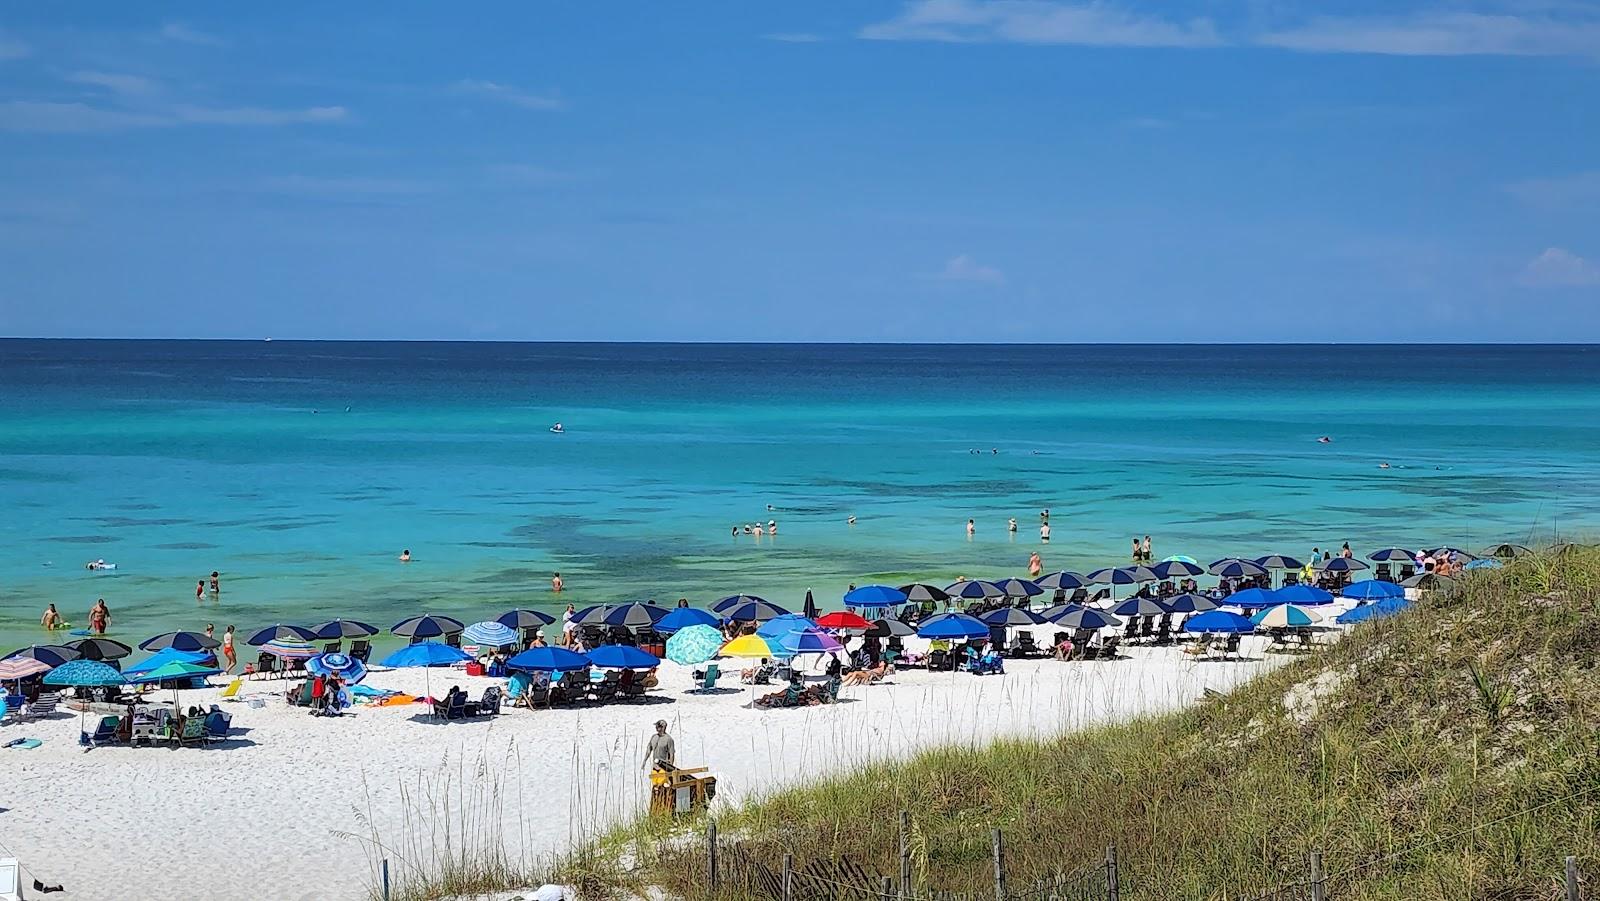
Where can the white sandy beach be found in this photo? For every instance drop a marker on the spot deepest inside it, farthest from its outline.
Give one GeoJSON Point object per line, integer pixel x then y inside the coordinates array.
{"type": "Point", "coordinates": [257, 816]}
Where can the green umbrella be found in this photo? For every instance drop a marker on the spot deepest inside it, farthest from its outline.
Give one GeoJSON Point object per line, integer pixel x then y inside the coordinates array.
{"type": "Point", "coordinates": [172, 670]}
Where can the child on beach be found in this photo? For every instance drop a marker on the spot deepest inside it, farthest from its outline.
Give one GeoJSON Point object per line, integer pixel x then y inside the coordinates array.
{"type": "Point", "coordinates": [227, 650]}
{"type": "Point", "coordinates": [200, 590]}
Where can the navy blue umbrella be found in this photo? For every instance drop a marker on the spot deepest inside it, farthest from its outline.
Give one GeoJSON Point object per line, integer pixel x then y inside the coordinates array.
{"type": "Point", "coordinates": [1018, 588]}
{"type": "Point", "coordinates": [1236, 568]}
{"type": "Point", "coordinates": [1303, 595]}
{"type": "Point", "coordinates": [1278, 561]}
{"type": "Point", "coordinates": [1063, 581]}
{"type": "Point", "coordinates": [634, 616]}
{"type": "Point", "coordinates": [1012, 616]}
{"type": "Point", "coordinates": [524, 619]}
{"type": "Point", "coordinates": [52, 654]}
{"type": "Point", "coordinates": [181, 640]}
{"type": "Point", "coordinates": [1341, 565]}
{"type": "Point", "coordinates": [1189, 603]}
{"type": "Point", "coordinates": [920, 593]}
{"type": "Point", "coordinates": [1176, 569]}
{"type": "Point", "coordinates": [974, 590]}
{"type": "Point", "coordinates": [1139, 607]}
{"type": "Point", "coordinates": [1392, 554]}
{"type": "Point", "coordinates": [343, 628]}
{"type": "Point", "coordinates": [427, 626]}
{"type": "Point", "coordinates": [591, 615]}
{"type": "Point", "coordinates": [809, 608]}
{"type": "Point", "coordinates": [722, 607]}
{"type": "Point", "coordinates": [99, 648]}
{"type": "Point", "coordinates": [874, 596]}
{"type": "Point", "coordinates": [549, 660]}
{"type": "Point", "coordinates": [754, 612]}
{"type": "Point", "coordinates": [1506, 550]}
{"type": "Point", "coordinates": [1077, 616]}
{"type": "Point", "coordinates": [1253, 597]}
{"type": "Point", "coordinates": [280, 632]}
{"type": "Point", "coordinates": [683, 618]}
{"type": "Point", "coordinates": [1123, 575]}
{"type": "Point", "coordinates": [1453, 552]}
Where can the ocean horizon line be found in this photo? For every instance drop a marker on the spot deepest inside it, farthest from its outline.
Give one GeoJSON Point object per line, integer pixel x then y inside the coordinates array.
{"type": "Point", "coordinates": [593, 342]}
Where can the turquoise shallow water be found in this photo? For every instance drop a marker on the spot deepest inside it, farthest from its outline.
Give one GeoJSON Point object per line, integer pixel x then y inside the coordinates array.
{"type": "Point", "coordinates": [176, 458]}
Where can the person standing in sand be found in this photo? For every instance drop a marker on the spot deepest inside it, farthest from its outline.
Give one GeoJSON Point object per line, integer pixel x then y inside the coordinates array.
{"type": "Point", "coordinates": [228, 655]}
{"type": "Point", "coordinates": [660, 751]}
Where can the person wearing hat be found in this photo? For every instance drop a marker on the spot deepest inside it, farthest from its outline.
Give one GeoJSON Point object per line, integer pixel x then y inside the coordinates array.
{"type": "Point", "coordinates": [660, 750]}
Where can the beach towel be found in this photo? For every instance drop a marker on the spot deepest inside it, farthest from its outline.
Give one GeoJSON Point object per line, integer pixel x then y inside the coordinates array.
{"type": "Point", "coordinates": [24, 743]}
{"type": "Point", "coordinates": [397, 700]}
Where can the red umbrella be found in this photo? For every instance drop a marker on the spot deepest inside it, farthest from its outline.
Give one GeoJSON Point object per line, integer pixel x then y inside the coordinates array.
{"type": "Point", "coordinates": [843, 619]}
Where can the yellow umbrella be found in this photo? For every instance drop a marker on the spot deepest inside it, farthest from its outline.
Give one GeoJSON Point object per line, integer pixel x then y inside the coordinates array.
{"type": "Point", "coordinates": [751, 645]}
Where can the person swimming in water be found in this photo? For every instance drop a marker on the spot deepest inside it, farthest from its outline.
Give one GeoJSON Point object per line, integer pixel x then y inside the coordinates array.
{"type": "Point", "coordinates": [558, 428]}
{"type": "Point", "coordinates": [405, 556]}
{"type": "Point", "coordinates": [971, 528]}
{"type": "Point", "coordinates": [51, 618]}
{"type": "Point", "coordinates": [1325, 440]}
{"type": "Point", "coordinates": [851, 520]}
{"type": "Point", "coordinates": [1011, 524]}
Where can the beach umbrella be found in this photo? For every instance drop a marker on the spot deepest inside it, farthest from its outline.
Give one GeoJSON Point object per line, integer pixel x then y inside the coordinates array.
{"type": "Point", "coordinates": [1063, 581]}
{"type": "Point", "coordinates": [693, 645]}
{"type": "Point", "coordinates": [874, 596]}
{"type": "Point", "coordinates": [53, 654]}
{"type": "Point", "coordinates": [162, 658]}
{"type": "Point", "coordinates": [590, 615]}
{"type": "Point", "coordinates": [891, 628]}
{"type": "Point", "coordinates": [1278, 561]}
{"type": "Point", "coordinates": [1430, 582]}
{"type": "Point", "coordinates": [1236, 568]}
{"type": "Point", "coordinates": [748, 646]}
{"type": "Point", "coordinates": [1341, 565]}
{"type": "Point", "coordinates": [1392, 555]}
{"type": "Point", "coordinates": [426, 654]}
{"type": "Point", "coordinates": [1375, 610]}
{"type": "Point", "coordinates": [1372, 589]}
{"type": "Point", "coordinates": [1176, 569]}
{"type": "Point", "coordinates": [974, 590]}
{"type": "Point", "coordinates": [1305, 595]}
{"type": "Point", "coordinates": [922, 593]}
{"type": "Point", "coordinates": [684, 617]}
{"type": "Point", "coordinates": [809, 608]}
{"type": "Point", "coordinates": [1485, 563]}
{"type": "Point", "coordinates": [621, 656]}
{"type": "Point", "coordinates": [182, 640]}
{"type": "Point", "coordinates": [1222, 621]}
{"type": "Point", "coordinates": [280, 631]}
{"type": "Point", "coordinates": [789, 622]}
{"type": "Point", "coordinates": [806, 641]}
{"type": "Point", "coordinates": [1018, 588]}
{"type": "Point", "coordinates": [1179, 558]}
{"type": "Point", "coordinates": [1077, 616]}
{"type": "Point", "coordinates": [1506, 550]}
{"type": "Point", "coordinates": [722, 607]}
{"type": "Point", "coordinates": [1139, 607]}
{"type": "Point", "coordinates": [953, 625]}
{"type": "Point", "coordinates": [289, 649]}
{"type": "Point", "coordinates": [426, 626]}
{"type": "Point", "coordinates": [84, 674]}
{"type": "Point", "coordinates": [13, 668]}
{"type": "Point", "coordinates": [634, 616]}
{"type": "Point", "coordinates": [344, 666]}
{"type": "Point", "coordinates": [842, 620]}
{"type": "Point", "coordinates": [524, 619]}
{"type": "Point", "coordinates": [1284, 616]}
{"type": "Point", "coordinates": [1453, 553]}
{"type": "Point", "coordinates": [1012, 616]}
{"type": "Point", "coordinates": [176, 672]}
{"type": "Point", "coordinates": [753, 612]}
{"type": "Point", "coordinates": [337, 629]}
{"type": "Point", "coordinates": [1251, 597]}
{"type": "Point", "coordinates": [99, 649]}
{"type": "Point", "coordinates": [1188, 602]}
{"type": "Point", "coordinates": [1122, 575]}
{"type": "Point", "coordinates": [489, 634]}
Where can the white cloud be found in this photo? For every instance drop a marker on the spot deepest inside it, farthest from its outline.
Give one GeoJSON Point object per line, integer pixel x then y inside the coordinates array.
{"type": "Point", "coordinates": [963, 268]}
{"type": "Point", "coordinates": [11, 48]}
{"type": "Point", "coordinates": [508, 94]}
{"type": "Point", "coordinates": [113, 81]}
{"type": "Point", "coordinates": [794, 37]}
{"type": "Point", "coordinates": [1038, 22]}
{"type": "Point", "coordinates": [183, 34]}
{"type": "Point", "coordinates": [1581, 188]}
{"type": "Point", "coordinates": [1559, 267]}
{"type": "Point", "coordinates": [81, 118]}
{"type": "Point", "coordinates": [1443, 34]}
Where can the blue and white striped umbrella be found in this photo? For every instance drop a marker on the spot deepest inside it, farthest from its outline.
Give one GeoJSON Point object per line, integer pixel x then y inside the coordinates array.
{"type": "Point", "coordinates": [489, 634]}
{"type": "Point", "coordinates": [1077, 616]}
{"type": "Point", "coordinates": [1018, 588]}
{"type": "Point", "coordinates": [344, 666]}
{"type": "Point", "coordinates": [1139, 607]}
{"type": "Point", "coordinates": [427, 626]}
{"type": "Point", "coordinates": [1189, 602]}
{"type": "Point", "coordinates": [1012, 616]}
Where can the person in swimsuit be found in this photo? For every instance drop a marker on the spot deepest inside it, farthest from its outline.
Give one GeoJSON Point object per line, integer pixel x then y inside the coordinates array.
{"type": "Point", "coordinates": [1044, 532]}
{"type": "Point", "coordinates": [970, 528]}
{"type": "Point", "coordinates": [216, 583]}
{"type": "Point", "coordinates": [99, 617]}
{"type": "Point", "coordinates": [200, 589]}
{"type": "Point", "coordinates": [555, 582]}
{"type": "Point", "coordinates": [51, 618]}
{"type": "Point", "coordinates": [1035, 565]}
{"type": "Point", "coordinates": [1136, 550]}
{"type": "Point", "coordinates": [227, 650]}
{"type": "Point", "coordinates": [405, 556]}
{"type": "Point", "coordinates": [1146, 548]}
{"type": "Point", "coordinates": [1011, 524]}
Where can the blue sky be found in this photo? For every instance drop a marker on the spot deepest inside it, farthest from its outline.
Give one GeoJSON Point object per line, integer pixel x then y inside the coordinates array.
{"type": "Point", "coordinates": [938, 170]}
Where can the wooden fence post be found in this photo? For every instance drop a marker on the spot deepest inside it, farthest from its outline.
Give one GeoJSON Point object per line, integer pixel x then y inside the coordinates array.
{"type": "Point", "coordinates": [1113, 881]}
{"type": "Point", "coordinates": [888, 889]}
{"type": "Point", "coordinates": [788, 877]}
{"type": "Point", "coordinates": [1572, 879]}
{"type": "Point", "coordinates": [1318, 888]}
{"type": "Point", "coordinates": [905, 855]}
{"type": "Point", "coordinates": [999, 867]}
{"type": "Point", "coordinates": [386, 877]}
{"type": "Point", "coordinates": [711, 858]}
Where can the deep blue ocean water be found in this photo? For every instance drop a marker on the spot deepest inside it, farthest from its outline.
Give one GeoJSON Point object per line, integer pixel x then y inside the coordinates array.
{"type": "Point", "coordinates": [301, 469]}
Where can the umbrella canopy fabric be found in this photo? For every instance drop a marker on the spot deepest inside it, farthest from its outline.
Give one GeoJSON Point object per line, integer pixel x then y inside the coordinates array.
{"type": "Point", "coordinates": [1236, 568]}
{"type": "Point", "coordinates": [163, 657]}
{"type": "Point", "coordinates": [53, 654]}
{"type": "Point", "coordinates": [1278, 561]}
{"type": "Point", "coordinates": [634, 615]}
{"type": "Point", "coordinates": [489, 634]}
{"type": "Point", "coordinates": [922, 593]}
{"type": "Point", "coordinates": [1341, 565]}
{"type": "Point", "coordinates": [621, 656]}
{"type": "Point", "coordinates": [21, 668]}
{"type": "Point", "coordinates": [1372, 589]}
{"type": "Point", "coordinates": [1375, 610]}
{"type": "Point", "coordinates": [344, 666]}
{"type": "Point", "coordinates": [874, 596]}
{"type": "Point", "coordinates": [1452, 552]}
{"type": "Point", "coordinates": [1222, 621]}
{"type": "Point", "coordinates": [172, 669]}
{"type": "Point", "coordinates": [1392, 555]}
{"type": "Point", "coordinates": [289, 649]}
{"type": "Point", "coordinates": [843, 619]}
{"type": "Point", "coordinates": [754, 612]}
{"type": "Point", "coordinates": [1189, 602]}
{"type": "Point", "coordinates": [974, 590]}
{"type": "Point", "coordinates": [1304, 595]}
{"type": "Point", "coordinates": [1063, 581]}
{"type": "Point", "coordinates": [1077, 616]}
{"type": "Point", "coordinates": [524, 619]}
{"type": "Point", "coordinates": [1176, 569]}
{"type": "Point", "coordinates": [779, 625]}
{"type": "Point", "coordinates": [182, 640]}
{"type": "Point", "coordinates": [809, 608]}
{"type": "Point", "coordinates": [99, 649]}
{"type": "Point", "coordinates": [1505, 550]}
{"type": "Point", "coordinates": [1179, 558]}
{"type": "Point", "coordinates": [747, 646]}
{"type": "Point", "coordinates": [426, 626]}
{"type": "Point", "coordinates": [278, 631]}
{"type": "Point", "coordinates": [806, 641]}
{"type": "Point", "coordinates": [1019, 588]}
{"type": "Point", "coordinates": [953, 625]}
{"type": "Point", "coordinates": [591, 615]}
{"type": "Point", "coordinates": [84, 674]}
{"type": "Point", "coordinates": [891, 628]}
{"type": "Point", "coordinates": [1284, 616]}
{"type": "Point", "coordinates": [1139, 607]}
{"type": "Point", "coordinates": [1252, 597]}
{"type": "Point", "coordinates": [549, 660]}
{"type": "Point", "coordinates": [335, 629]}
{"type": "Point", "coordinates": [722, 607]}
{"type": "Point", "coordinates": [1121, 575]}
{"type": "Point", "coordinates": [693, 645]}
{"type": "Point", "coordinates": [426, 653]}
{"type": "Point", "coordinates": [1012, 616]}
{"type": "Point", "coordinates": [683, 618]}
{"type": "Point", "coordinates": [1430, 582]}
{"type": "Point", "coordinates": [1485, 563]}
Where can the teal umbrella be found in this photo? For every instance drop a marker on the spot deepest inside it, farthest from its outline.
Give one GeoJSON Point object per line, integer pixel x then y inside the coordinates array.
{"type": "Point", "coordinates": [84, 674]}
{"type": "Point", "coordinates": [694, 645]}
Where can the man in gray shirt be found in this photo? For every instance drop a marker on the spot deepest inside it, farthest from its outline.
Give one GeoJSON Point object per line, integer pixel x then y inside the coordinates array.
{"type": "Point", "coordinates": [660, 749]}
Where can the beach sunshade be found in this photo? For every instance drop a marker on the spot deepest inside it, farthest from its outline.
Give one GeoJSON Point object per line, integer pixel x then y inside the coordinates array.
{"type": "Point", "coordinates": [172, 669]}
{"type": "Point", "coordinates": [1392, 555]}
{"type": "Point", "coordinates": [1453, 552]}
{"type": "Point", "coordinates": [1012, 616]}
{"type": "Point", "coordinates": [809, 608]}
{"type": "Point", "coordinates": [684, 617]}
{"type": "Point", "coordinates": [1188, 602]}
{"type": "Point", "coordinates": [621, 656]}
{"type": "Point", "coordinates": [344, 666]}
{"type": "Point", "coordinates": [1138, 607]}
{"type": "Point", "coordinates": [1372, 589]}
{"type": "Point", "coordinates": [21, 668]}
{"type": "Point", "coordinates": [1236, 568]}
{"type": "Point", "coordinates": [1019, 588]}
{"type": "Point", "coordinates": [974, 590]}
{"type": "Point", "coordinates": [694, 645]}
{"type": "Point", "coordinates": [1430, 582]}
{"type": "Point", "coordinates": [1304, 595]}
{"type": "Point", "coordinates": [843, 619]}
{"type": "Point", "coordinates": [805, 641]}
{"type": "Point", "coordinates": [84, 674]}
{"type": "Point", "coordinates": [1176, 569]}
{"type": "Point", "coordinates": [289, 649]}
{"type": "Point", "coordinates": [280, 631]}
{"type": "Point", "coordinates": [591, 615]}
{"type": "Point", "coordinates": [426, 626]}
{"type": "Point", "coordinates": [953, 625]}
{"type": "Point", "coordinates": [922, 593]}
{"type": "Point", "coordinates": [1284, 616]}
{"type": "Point", "coordinates": [874, 596]}
{"type": "Point", "coordinates": [1375, 610]}
{"type": "Point", "coordinates": [634, 616]}
{"type": "Point", "coordinates": [754, 612]}
{"type": "Point", "coordinates": [722, 607]}
{"type": "Point", "coordinates": [549, 660]}
{"type": "Point", "coordinates": [1505, 550]}
{"type": "Point", "coordinates": [1485, 563]}
{"type": "Point", "coordinates": [426, 653]}
{"type": "Point", "coordinates": [53, 654]}
{"type": "Point", "coordinates": [524, 619]}
{"type": "Point", "coordinates": [751, 646]}
{"type": "Point", "coordinates": [1063, 581]}
{"type": "Point", "coordinates": [182, 640]}
{"type": "Point", "coordinates": [1252, 597]}
{"type": "Point", "coordinates": [779, 625]}
{"type": "Point", "coordinates": [1123, 575]}
{"type": "Point", "coordinates": [1179, 558]}
{"type": "Point", "coordinates": [99, 649]}
{"type": "Point", "coordinates": [1221, 621]}
{"type": "Point", "coordinates": [489, 634]}
{"type": "Point", "coordinates": [1278, 561]}
{"type": "Point", "coordinates": [163, 657]}
{"type": "Point", "coordinates": [891, 628]}
{"type": "Point", "coordinates": [1077, 616]}
{"type": "Point", "coordinates": [1341, 565]}
{"type": "Point", "coordinates": [335, 629]}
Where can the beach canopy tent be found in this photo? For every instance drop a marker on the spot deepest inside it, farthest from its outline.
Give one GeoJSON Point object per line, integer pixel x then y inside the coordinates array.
{"type": "Point", "coordinates": [621, 656]}
{"type": "Point", "coordinates": [722, 607]}
{"type": "Point", "coordinates": [684, 617]}
{"type": "Point", "coordinates": [694, 645]}
{"type": "Point", "coordinates": [162, 658]}
{"type": "Point", "coordinates": [634, 616]}
{"type": "Point", "coordinates": [953, 625]}
{"type": "Point", "coordinates": [489, 634]}
{"type": "Point", "coordinates": [1304, 595]}
{"type": "Point", "coordinates": [1236, 568]}
{"type": "Point", "coordinates": [1252, 597]}
{"type": "Point", "coordinates": [749, 646]}
{"type": "Point", "coordinates": [1177, 569]}
{"type": "Point", "coordinates": [344, 666]}
{"type": "Point", "coordinates": [336, 629]}
{"type": "Point", "coordinates": [182, 640]}
{"type": "Point", "coordinates": [427, 626]}
{"type": "Point", "coordinates": [1285, 616]}
{"type": "Point", "coordinates": [1372, 589]}
{"type": "Point", "coordinates": [891, 628]}
{"type": "Point", "coordinates": [1219, 621]}
{"type": "Point", "coordinates": [1341, 565]}
{"type": "Point", "coordinates": [1139, 607]}
{"type": "Point", "coordinates": [1485, 563]}
{"type": "Point", "coordinates": [1018, 588]}
{"type": "Point", "coordinates": [789, 622]}
{"type": "Point", "coordinates": [1012, 616]}
{"type": "Point", "coordinates": [1077, 616]}
{"type": "Point", "coordinates": [1063, 581]}
{"type": "Point", "coordinates": [843, 620]}
{"type": "Point", "coordinates": [1375, 610]}
{"type": "Point", "coordinates": [1278, 561]}
{"type": "Point", "coordinates": [524, 619]}
{"type": "Point", "coordinates": [1189, 602]}
{"type": "Point", "coordinates": [53, 654]}
{"type": "Point", "coordinates": [99, 648]}
{"type": "Point", "coordinates": [13, 668]}
{"type": "Point", "coordinates": [426, 653]}
{"type": "Point", "coordinates": [1505, 550]}
{"type": "Point", "coordinates": [874, 596]}
{"type": "Point", "coordinates": [278, 631]}
{"type": "Point", "coordinates": [974, 590]}
{"type": "Point", "coordinates": [805, 641]}
{"type": "Point", "coordinates": [754, 612]}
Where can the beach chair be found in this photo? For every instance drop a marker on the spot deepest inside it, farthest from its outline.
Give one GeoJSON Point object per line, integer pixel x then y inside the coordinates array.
{"type": "Point", "coordinates": [1131, 631]}
{"type": "Point", "coordinates": [489, 705]}
{"type": "Point", "coordinates": [332, 647]}
{"type": "Point", "coordinates": [454, 708]}
{"type": "Point", "coordinates": [231, 693]}
{"type": "Point", "coordinates": [708, 679]}
{"type": "Point", "coordinates": [105, 733]}
{"type": "Point", "coordinates": [360, 649]}
{"type": "Point", "coordinates": [266, 665]}
{"type": "Point", "coordinates": [536, 693]}
{"type": "Point", "coordinates": [453, 639]}
{"type": "Point", "coordinates": [216, 725]}
{"type": "Point", "coordinates": [606, 689]}
{"type": "Point", "coordinates": [1147, 627]}
{"type": "Point", "coordinates": [1108, 650]}
{"type": "Point", "coordinates": [45, 706]}
{"type": "Point", "coordinates": [1164, 630]}
{"type": "Point", "coordinates": [191, 732]}
{"type": "Point", "coordinates": [1026, 646]}
{"type": "Point", "coordinates": [1225, 648]}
